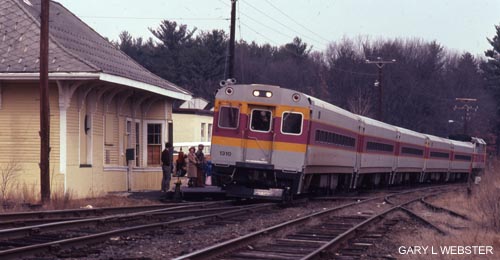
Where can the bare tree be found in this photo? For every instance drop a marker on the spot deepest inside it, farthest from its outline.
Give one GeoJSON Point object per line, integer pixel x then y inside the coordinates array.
{"type": "Point", "coordinates": [8, 177]}
{"type": "Point", "coordinates": [360, 105]}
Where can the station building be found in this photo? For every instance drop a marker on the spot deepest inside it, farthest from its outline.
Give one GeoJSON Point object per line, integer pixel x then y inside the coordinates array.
{"type": "Point", "coordinates": [101, 104]}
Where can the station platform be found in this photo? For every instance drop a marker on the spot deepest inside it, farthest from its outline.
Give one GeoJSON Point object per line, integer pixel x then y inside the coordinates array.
{"type": "Point", "coordinates": [207, 192]}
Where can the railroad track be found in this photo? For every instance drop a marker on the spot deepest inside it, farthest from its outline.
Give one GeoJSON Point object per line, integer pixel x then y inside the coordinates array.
{"type": "Point", "coordinates": [20, 219]}
{"type": "Point", "coordinates": [56, 236]}
{"type": "Point", "coordinates": [317, 234]}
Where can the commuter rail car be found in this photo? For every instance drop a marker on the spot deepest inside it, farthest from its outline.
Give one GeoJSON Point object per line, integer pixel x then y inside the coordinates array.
{"type": "Point", "coordinates": [276, 143]}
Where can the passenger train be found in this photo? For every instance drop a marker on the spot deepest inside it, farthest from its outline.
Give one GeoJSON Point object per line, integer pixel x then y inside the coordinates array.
{"type": "Point", "coordinates": [276, 143]}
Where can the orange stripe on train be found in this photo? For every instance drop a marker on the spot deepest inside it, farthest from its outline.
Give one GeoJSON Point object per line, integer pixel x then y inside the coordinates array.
{"type": "Point", "coordinates": [252, 144]}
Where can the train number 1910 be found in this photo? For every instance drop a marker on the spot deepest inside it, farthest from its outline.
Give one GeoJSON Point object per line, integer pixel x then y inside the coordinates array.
{"type": "Point", "coordinates": [225, 153]}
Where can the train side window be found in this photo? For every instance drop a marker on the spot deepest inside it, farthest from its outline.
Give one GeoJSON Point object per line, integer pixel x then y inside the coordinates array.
{"type": "Point", "coordinates": [463, 157]}
{"type": "Point", "coordinates": [229, 117]}
{"type": "Point", "coordinates": [375, 146]}
{"type": "Point", "coordinates": [412, 151]}
{"type": "Point", "coordinates": [291, 123]}
{"type": "Point", "coordinates": [261, 120]}
{"type": "Point", "coordinates": [440, 155]}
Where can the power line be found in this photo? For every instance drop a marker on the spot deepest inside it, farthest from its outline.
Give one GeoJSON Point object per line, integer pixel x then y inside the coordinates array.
{"type": "Point", "coordinates": [269, 27]}
{"type": "Point", "coordinates": [299, 24]}
{"type": "Point", "coordinates": [275, 20]}
{"type": "Point", "coordinates": [257, 32]}
{"type": "Point", "coordinates": [157, 18]}
{"type": "Point", "coordinates": [259, 22]}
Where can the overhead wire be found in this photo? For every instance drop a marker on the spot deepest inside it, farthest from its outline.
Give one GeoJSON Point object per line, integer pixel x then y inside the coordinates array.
{"type": "Point", "coordinates": [157, 18]}
{"type": "Point", "coordinates": [279, 22]}
{"type": "Point", "coordinates": [276, 44]}
{"type": "Point", "coordinates": [299, 24]}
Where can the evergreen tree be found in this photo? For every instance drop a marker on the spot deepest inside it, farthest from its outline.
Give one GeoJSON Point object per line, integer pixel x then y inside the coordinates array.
{"type": "Point", "coordinates": [492, 73]}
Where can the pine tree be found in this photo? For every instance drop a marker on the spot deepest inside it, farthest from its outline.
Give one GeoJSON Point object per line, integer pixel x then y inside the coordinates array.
{"type": "Point", "coordinates": [492, 73]}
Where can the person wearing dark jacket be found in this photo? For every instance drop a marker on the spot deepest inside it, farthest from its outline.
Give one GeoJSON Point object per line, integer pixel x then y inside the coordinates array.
{"type": "Point", "coordinates": [200, 164]}
{"type": "Point", "coordinates": [165, 160]}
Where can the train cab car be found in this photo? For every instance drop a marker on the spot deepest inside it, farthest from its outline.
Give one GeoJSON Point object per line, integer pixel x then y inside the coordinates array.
{"type": "Point", "coordinates": [479, 156]}
{"type": "Point", "coordinates": [259, 140]}
{"type": "Point", "coordinates": [437, 158]}
{"type": "Point", "coordinates": [275, 143]}
{"type": "Point", "coordinates": [410, 155]}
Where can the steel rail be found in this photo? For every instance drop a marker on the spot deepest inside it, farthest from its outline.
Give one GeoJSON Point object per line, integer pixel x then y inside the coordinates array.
{"type": "Point", "coordinates": [342, 237]}
{"type": "Point", "coordinates": [219, 249]}
{"type": "Point", "coordinates": [94, 238]}
{"type": "Point", "coordinates": [37, 215]}
{"type": "Point", "coordinates": [226, 246]}
{"type": "Point", "coordinates": [449, 211]}
{"type": "Point", "coordinates": [20, 232]}
{"type": "Point", "coordinates": [423, 220]}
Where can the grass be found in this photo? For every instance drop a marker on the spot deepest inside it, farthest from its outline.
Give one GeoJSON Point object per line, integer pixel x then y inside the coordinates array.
{"type": "Point", "coordinates": [482, 207]}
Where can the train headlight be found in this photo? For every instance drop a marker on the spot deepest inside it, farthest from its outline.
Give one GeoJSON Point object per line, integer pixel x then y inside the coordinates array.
{"type": "Point", "coordinates": [262, 93]}
{"type": "Point", "coordinates": [229, 91]}
{"type": "Point", "coordinates": [296, 97]}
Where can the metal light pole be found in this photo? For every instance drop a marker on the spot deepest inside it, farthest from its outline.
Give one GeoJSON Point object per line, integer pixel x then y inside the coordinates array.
{"type": "Point", "coordinates": [380, 64]}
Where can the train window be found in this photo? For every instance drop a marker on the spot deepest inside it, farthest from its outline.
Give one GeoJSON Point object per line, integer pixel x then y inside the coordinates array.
{"type": "Point", "coordinates": [412, 151]}
{"type": "Point", "coordinates": [261, 120]}
{"type": "Point", "coordinates": [334, 138]}
{"type": "Point", "coordinates": [440, 155]}
{"type": "Point", "coordinates": [373, 146]}
{"type": "Point", "coordinates": [462, 157]}
{"type": "Point", "coordinates": [291, 123]}
{"type": "Point", "coordinates": [229, 117]}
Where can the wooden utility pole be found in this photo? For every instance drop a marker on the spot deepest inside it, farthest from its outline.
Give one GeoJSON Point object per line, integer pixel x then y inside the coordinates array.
{"type": "Point", "coordinates": [231, 40]}
{"type": "Point", "coordinates": [380, 64]}
{"type": "Point", "coordinates": [44, 103]}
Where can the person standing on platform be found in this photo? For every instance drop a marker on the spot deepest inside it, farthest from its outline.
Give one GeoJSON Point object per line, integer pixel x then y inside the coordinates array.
{"type": "Point", "coordinates": [191, 167]}
{"type": "Point", "coordinates": [200, 158]}
{"type": "Point", "coordinates": [166, 168]}
{"type": "Point", "coordinates": [180, 164]}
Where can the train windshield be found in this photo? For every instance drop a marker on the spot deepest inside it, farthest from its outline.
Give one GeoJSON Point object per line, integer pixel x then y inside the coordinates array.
{"type": "Point", "coordinates": [229, 117]}
{"type": "Point", "coordinates": [291, 123]}
{"type": "Point", "coordinates": [261, 120]}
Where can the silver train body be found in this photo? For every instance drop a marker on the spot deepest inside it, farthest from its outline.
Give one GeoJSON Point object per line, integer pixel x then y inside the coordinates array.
{"type": "Point", "coordinates": [274, 142]}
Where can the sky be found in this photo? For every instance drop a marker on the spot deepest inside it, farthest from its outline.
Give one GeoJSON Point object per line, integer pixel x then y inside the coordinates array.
{"type": "Point", "coordinates": [459, 25]}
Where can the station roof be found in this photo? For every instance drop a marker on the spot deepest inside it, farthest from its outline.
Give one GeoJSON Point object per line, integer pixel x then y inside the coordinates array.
{"type": "Point", "coordinates": [76, 51]}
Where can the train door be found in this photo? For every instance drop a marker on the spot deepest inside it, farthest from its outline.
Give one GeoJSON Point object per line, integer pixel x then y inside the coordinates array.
{"type": "Point", "coordinates": [259, 137]}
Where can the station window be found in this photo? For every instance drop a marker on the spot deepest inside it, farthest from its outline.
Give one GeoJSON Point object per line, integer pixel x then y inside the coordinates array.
{"type": "Point", "coordinates": [291, 123]}
{"type": "Point", "coordinates": [203, 125]}
{"type": "Point", "coordinates": [154, 144]}
{"type": "Point", "coordinates": [229, 117]}
{"type": "Point", "coordinates": [261, 120]}
{"type": "Point", "coordinates": [137, 143]}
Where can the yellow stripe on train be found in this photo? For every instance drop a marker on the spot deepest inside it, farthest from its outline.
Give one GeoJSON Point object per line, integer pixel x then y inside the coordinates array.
{"type": "Point", "coordinates": [252, 144]}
